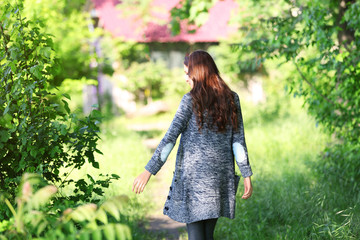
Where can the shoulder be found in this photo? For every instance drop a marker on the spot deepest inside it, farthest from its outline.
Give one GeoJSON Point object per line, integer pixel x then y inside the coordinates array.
{"type": "Point", "coordinates": [186, 99]}
{"type": "Point", "coordinates": [235, 95]}
{"type": "Point", "coordinates": [187, 95]}
{"type": "Point", "coordinates": [186, 103]}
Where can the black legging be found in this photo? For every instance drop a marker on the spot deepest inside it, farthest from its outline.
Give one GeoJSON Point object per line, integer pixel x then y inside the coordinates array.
{"type": "Point", "coordinates": [201, 230]}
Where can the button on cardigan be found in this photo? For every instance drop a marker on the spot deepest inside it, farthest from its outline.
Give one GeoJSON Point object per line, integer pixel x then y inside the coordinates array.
{"type": "Point", "coordinates": [204, 182]}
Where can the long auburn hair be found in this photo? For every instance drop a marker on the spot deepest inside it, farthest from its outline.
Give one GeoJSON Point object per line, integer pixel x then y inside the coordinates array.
{"type": "Point", "coordinates": [212, 97]}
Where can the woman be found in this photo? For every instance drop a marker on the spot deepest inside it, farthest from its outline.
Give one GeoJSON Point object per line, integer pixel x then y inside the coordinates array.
{"type": "Point", "coordinates": [210, 123]}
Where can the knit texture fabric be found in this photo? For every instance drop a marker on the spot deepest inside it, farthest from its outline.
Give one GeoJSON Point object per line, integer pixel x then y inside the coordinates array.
{"type": "Point", "coordinates": [204, 182]}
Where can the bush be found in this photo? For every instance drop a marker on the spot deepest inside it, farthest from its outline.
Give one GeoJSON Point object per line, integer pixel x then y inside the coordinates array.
{"type": "Point", "coordinates": [33, 216]}
{"type": "Point", "coordinates": [37, 133]}
{"type": "Point", "coordinates": [152, 80]}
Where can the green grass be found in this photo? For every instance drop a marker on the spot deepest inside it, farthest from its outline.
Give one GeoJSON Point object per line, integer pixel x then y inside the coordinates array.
{"type": "Point", "coordinates": [124, 155]}
{"type": "Point", "coordinates": [290, 201]}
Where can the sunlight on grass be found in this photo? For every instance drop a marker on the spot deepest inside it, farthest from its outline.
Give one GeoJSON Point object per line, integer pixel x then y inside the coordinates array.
{"type": "Point", "coordinates": [281, 150]}
{"type": "Point", "coordinates": [282, 205]}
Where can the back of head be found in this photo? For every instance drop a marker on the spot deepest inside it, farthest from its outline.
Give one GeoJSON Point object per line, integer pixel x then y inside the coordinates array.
{"type": "Point", "coordinates": [210, 93]}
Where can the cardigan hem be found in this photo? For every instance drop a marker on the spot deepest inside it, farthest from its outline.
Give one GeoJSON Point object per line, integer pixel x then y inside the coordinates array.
{"type": "Point", "coordinates": [200, 218]}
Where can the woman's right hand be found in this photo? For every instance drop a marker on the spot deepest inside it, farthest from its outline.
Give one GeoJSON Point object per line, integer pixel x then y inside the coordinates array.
{"type": "Point", "coordinates": [248, 188]}
{"type": "Point", "coordinates": [141, 181]}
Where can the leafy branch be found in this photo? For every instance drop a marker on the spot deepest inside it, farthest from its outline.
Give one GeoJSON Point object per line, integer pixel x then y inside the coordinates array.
{"type": "Point", "coordinates": [312, 85]}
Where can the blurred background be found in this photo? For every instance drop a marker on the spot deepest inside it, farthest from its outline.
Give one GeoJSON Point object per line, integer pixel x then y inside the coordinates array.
{"type": "Point", "coordinates": [294, 64]}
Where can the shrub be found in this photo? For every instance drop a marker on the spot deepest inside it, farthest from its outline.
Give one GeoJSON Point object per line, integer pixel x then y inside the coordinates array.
{"type": "Point", "coordinates": [33, 216]}
{"type": "Point", "coordinates": [37, 133]}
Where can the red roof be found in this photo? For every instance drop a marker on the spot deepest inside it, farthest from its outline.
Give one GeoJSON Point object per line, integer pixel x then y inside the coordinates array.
{"type": "Point", "coordinates": [132, 28]}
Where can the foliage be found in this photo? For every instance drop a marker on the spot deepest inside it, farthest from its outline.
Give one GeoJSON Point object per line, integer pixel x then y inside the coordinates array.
{"type": "Point", "coordinates": [90, 187]}
{"type": "Point", "coordinates": [317, 41]}
{"type": "Point", "coordinates": [195, 12]}
{"type": "Point", "coordinates": [129, 52]}
{"type": "Point", "coordinates": [38, 134]}
{"type": "Point", "coordinates": [237, 68]}
{"type": "Point", "coordinates": [126, 155]}
{"type": "Point", "coordinates": [340, 165]}
{"type": "Point", "coordinates": [71, 26]}
{"type": "Point", "coordinates": [33, 217]}
{"type": "Point", "coordinates": [320, 39]}
{"type": "Point", "coordinates": [290, 201]}
{"type": "Point", "coordinates": [139, 9]}
{"type": "Point", "coordinates": [152, 80]}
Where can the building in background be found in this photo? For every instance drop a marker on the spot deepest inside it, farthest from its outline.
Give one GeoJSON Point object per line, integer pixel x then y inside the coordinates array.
{"type": "Point", "coordinates": [152, 25]}
{"type": "Point", "coordinates": [156, 30]}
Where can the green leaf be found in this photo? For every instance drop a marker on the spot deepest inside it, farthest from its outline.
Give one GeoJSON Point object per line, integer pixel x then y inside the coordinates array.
{"type": "Point", "coordinates": [109, 232]}
{"type": "Point", "coordinates": [33, 152]}
{"type": "Point", "coordinates": [201, 18]}
{"type": "Point", "coordinates": [95, 165]}
{"type": "Point", "coordinates": [112, 209]}
{"type": "Point", "coordinates": [42, 196]}
{"type": "Point", "coordinates": [13, 67]}
{"type": "Point", "coordinates": [122, 231]}
{"type": "Point", "coordinates": [45, 51]}
{"type": "Point", "coordinates": [6, 109]}
{"type": "Point", "coordinates": [98, 151]}
{"type": "Point", "coordinates": [41, 227]}
{"type": "Point", "coordinates": [84, 236]}
{"type": "Point", "coordinates": [63, 130]}
{"type": "Point", "coordinates": [98, 191]}
{"type": "Point", "coordinates": [95, 113]}
{"type": "Point", "coordinates": [101, 216]}
{"type": "Point", "coordinates": [83, 212]}
{"type": "Point", "coordinates": [5, 121]}
{"type": "Point", "coordinates": [97, 235]}
{"type": "Point", "coordinates": [36, 70]}
{"type": "Point", "coordinates": [115, 176]}
{"type": "Point", "coordinates": [67, 96]}
{"type": "Point", "coordinates": [91, 178]}
{"type": "Point", "coordinates": [4, 136]}
{"type": "Point", "coordinates": [66, 106]}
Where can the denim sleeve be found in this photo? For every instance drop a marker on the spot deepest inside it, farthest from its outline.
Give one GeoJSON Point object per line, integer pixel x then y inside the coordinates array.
{"type": "Point", "coordinates": [177, 126]}
{"type": "Point", "coordinates": [239, 145]}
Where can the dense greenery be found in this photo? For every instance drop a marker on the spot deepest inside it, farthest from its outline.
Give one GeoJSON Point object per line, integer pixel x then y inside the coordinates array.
{"type": "Point", "coordinates": [38, 133]}
{"type": "Point", "coordinates": [33, 216]}
{"type": "Point", "coordinates": [301, 192]}
{"type": "Point", "coordinates": [74, 37]}
{"type": "Point", "coordinates": [320, 39]}
{"type": "Point", "coordinates": [195, 12]}
{"type": "Point", "coordinates": [293, 198]}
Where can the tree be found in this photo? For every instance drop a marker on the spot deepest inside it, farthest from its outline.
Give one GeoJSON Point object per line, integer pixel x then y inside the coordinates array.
{"type": "Point", "coordinates": [321, 40]}
{"type": "Point", "coordinates": [37, 134]}
{"type": "Point", "coordinates": [69, 22]}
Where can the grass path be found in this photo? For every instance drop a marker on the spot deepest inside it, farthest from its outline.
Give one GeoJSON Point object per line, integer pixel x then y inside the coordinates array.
{"type": "Point", "coordinates": [288, 201]}
{"type": "Point", "coordinates": [159, 224]}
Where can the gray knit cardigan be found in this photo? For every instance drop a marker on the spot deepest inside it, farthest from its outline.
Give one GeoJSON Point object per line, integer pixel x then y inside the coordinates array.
{"type": "Point", "coordinates": [204, 182]}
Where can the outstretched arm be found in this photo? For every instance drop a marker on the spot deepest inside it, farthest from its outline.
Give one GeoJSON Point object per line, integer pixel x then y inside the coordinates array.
{"type": "Point", "coordinates": [165, 146]}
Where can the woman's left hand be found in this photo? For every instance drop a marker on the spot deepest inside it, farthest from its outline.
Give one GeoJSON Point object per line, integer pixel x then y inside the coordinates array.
{"type": "Point", "coordinates": [141, 181]}
{"type": "Point", "coordinates": [248, 188]}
